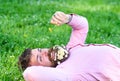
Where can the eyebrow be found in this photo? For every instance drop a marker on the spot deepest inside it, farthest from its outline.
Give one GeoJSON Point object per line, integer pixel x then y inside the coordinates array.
{"type": "Point", "coordinates": [39, 49]}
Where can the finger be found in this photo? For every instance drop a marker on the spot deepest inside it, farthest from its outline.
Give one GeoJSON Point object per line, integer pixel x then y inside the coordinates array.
{"type": "Point", "coordinates": [59, 12]}
{"type": "Point", "coordinates": [60, 16]}
{"type": "Point", "coordinates": [56, 20]}
{"type": "Point", "coordinates": [64, 17]}
{"type": "Point", "coordinates": [55, 23]}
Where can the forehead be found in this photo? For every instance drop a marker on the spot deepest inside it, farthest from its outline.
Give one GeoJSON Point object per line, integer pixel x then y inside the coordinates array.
{"type": "Point", "coordinates": [34, 51]}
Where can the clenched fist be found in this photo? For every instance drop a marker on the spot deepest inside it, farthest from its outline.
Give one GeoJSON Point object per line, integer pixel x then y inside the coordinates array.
{"type": "Point", "coordinates": [60, 18]}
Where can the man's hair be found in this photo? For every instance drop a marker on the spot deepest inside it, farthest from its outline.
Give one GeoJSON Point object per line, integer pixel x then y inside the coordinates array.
{"type": "Point", "coordinates": [24, 59]}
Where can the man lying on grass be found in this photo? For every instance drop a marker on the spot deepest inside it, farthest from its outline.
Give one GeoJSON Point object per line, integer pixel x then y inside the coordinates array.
{"type": "Point", "coordinates": [74, 62]}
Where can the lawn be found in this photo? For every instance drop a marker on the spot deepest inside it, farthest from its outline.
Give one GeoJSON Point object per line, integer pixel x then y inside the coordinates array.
{"type": "Point", "coordinates": [26, 24]}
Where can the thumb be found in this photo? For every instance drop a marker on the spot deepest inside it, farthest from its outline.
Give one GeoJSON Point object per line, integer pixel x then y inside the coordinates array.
{"type": "Point", "coordinates": [53, 22]}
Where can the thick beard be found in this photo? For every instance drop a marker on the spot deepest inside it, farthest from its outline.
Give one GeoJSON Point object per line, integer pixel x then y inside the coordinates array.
{"type": "Point", "coordinates": [50, 57]}
{"type": "Point", "coordinates": [54, 55]}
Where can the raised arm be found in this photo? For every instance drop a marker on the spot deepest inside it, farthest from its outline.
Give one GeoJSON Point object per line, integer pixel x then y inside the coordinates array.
{"type": "Point", "coordinates": [79, 26]}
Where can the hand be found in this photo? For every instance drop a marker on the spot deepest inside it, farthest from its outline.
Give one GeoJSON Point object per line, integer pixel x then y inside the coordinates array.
{"type": "Point", "coordinates": [60, 18]}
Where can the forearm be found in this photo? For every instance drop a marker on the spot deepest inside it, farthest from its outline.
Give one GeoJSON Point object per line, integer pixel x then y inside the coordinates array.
{"type": "Point", "coordinates": [79, 26]}
{"type": "Point", "coordinates": [38, 73]}
{"type": "Point", "coordinates": [78, 23]}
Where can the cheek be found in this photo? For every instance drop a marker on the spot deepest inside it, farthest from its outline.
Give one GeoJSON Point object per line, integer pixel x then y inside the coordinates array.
{"type": "Point", "coordinates": [34, 63]}
{"type": "Point", "coordinates": [47, 61]}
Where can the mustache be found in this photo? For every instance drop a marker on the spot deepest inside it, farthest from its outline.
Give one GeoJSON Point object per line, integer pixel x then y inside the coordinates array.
{"type": "Point", "coordinates": [49, 56]}
{"type": "Point", "coordinates": [60, 54]}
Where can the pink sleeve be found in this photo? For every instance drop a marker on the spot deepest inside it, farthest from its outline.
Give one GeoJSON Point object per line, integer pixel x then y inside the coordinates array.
{"type": "Point", "coordinates": [79, 26]}
{"type": "Point", "coordinates": [39, 73]}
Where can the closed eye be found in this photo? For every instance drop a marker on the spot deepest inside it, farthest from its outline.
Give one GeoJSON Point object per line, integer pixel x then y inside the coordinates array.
{"type": "Point", "coordinates": [39, 58]}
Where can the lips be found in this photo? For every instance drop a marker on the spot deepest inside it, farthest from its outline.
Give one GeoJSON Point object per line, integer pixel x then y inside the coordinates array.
{"type": "Point", "coordinates": [53, 56]}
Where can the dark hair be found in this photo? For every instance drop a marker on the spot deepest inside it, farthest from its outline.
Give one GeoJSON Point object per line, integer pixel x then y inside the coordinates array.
{"type": "Point", "coordinates": [24, 59]}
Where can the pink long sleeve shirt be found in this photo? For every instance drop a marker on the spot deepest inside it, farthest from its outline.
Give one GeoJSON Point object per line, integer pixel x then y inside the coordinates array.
{"type": "Point", "coordinates": [93, 62]}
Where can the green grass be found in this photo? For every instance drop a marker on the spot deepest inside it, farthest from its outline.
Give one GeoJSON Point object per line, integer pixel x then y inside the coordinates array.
{"type": "Point", "coordinates": [25, 24]}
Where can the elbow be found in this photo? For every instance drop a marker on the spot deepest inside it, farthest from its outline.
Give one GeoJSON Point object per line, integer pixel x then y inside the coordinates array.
{"type": "Point", "coordinates": [82, 24]}
{"type": "Point", "coordinates": [28, 74]}
{"type": "Point", "coordinates": [85, 22]}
